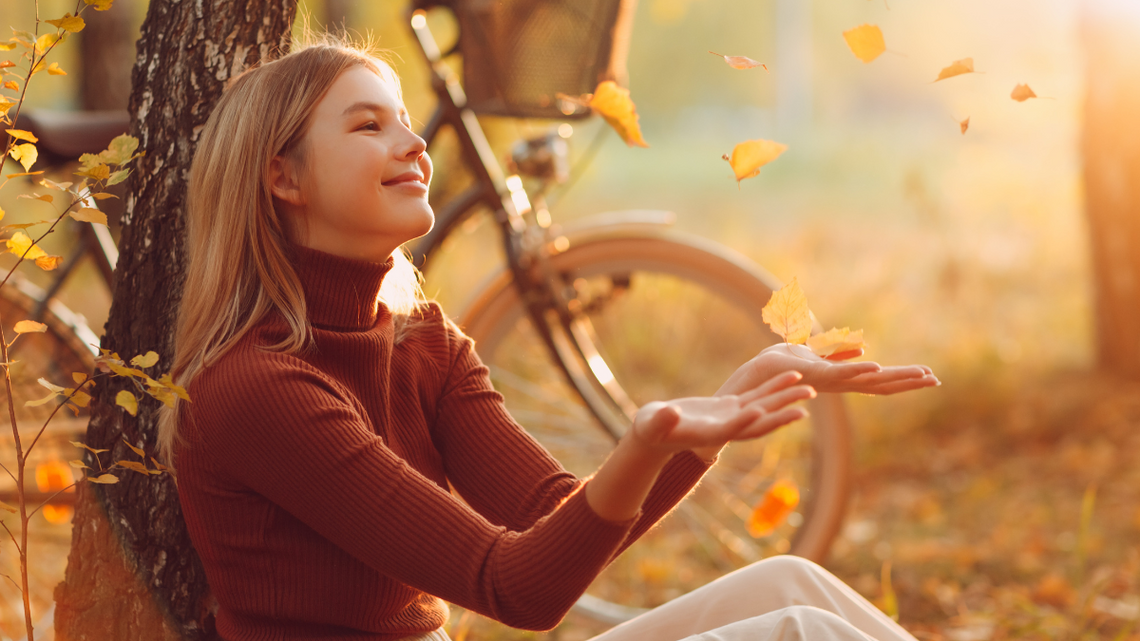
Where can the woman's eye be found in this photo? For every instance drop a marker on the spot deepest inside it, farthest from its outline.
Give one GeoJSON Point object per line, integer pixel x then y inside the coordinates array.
{"type": "Point", "coordinates": [371, 126]}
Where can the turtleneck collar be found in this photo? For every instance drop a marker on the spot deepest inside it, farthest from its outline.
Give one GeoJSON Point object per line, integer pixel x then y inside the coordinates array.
{"type": "Point", "coordinates": [340, 292]}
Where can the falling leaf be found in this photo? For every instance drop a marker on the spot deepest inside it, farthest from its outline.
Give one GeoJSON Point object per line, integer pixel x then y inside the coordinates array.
{"type": "Point", "coordinates": [1021, 93]}
{"type": "Point", "coordinates": [48, 263]}
{"type": "Point", "coordinates": [956, 68]}
{"type": "Point", "coordinates": [90, 215]}
{"type": "Point", "coordinates": [773, 508]}
{"type": "Point", "coordinates": [21, 245]}
{"type": "Point", "coordinates": [29, 326]}
{"type": "Point", "coordinates": [749, 156]}
{"type": "Point", "coordinates": [965, 124]}
{"type": "Point", "coordinates": [25, 154]}
{"type": "Point", "coordinates": [127, 401]}
{"type": "Point", "coordinates": [69, 23]}
{"type": "Point", "coordinates": [613, 103]}
{"type": "Point", "coordinates": [836, 341]}
{"type": "Point", "coordinates": [788, 315]}
{"type": "Point", "coordinates": [866, 42]}
{"type": "Point", "coordinates": [22, 135]}
{"type": "Point", "coordinates": [54, 69]}
{"type": "Point", "coordinates": [105, 479]}
{"type": "Point", "coordinates": [100, 5]}
{"type": "Point", "coordinates": [740, 62]}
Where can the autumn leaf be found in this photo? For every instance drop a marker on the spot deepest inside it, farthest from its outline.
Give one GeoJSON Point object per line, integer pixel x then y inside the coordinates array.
{"type": "Point", "coordinates": [866, 42]}
{"type": "Point", "coordinates": [21, 245]}
{"type": "Point", "coordinates": [87, 447]}
{"type": "Point", "coordinates": [99, 5]}
{"type": "Point", "coordinates": [836, 341]}
{"type": "Point", "coordinates": [118, 177]}
{"type": "Point", "coordinates": [25, 154]}
{"type": "Point", "coordinates": [5, 506]}
{"type": "Point", "coordinates": [134, 465]}
{"type": "Point", "coordinates": [788, 315]}
{"type": "Point", "coordinates": [103, 196]}
{"type": "Point", "coordinates": [47, 198]}
{"type": "Point", "coordinates": [48, 263]}
{"type": "Point", "coordinates": [1021, 93]}
{"type": "Point", "coordinates": [69, 23]}
{"type": "Point", "coordinates": [749, 156]}
{"type": "Point", "coordinates": [47, 399]}
{"type": "Point", "coordinates": [105, 479]}
{"type": "Point", "coordinates": [78, 464]}
{"type": "Point", "coordinates": [82, 399]}
{"type": "Point", "coordinates": [92, 166]}
{"type": "Point", "coordinates": [46, 41]}
{"type": "Point", "coordinates": [7, 46]}
{"type": "Point", "coordinates": [54, 70]}
{"type": "Point", "coordinates": [134, 449]}
{"type": "Point", "coordinates": [179, 391]}
{"type": "Point", "coordinates": [613, 103]}
{"type": "Point", "coordinates": [740, 62]}
{"type": "Point", "coordinates": [89, 215]}
{"type": "Point", "coordinates": [121, 149]}
{"type": "Point", "coordinates": [159, 466]}
{"type": "Point", "coordinates": [127, 401]}
{"type": "Point", "coordinates": [29, 326]}
{"type": "Point", "coordinates": [956, 68]}
{"type": "Point", "coordinates": [22, 135]}
{"type": "Point", "coordinates": [773, 508]}
{"type": "Point", "coordinates": [5, 104]}
{"type": "Point", "coordinates": [10, 84]}
{"type": "Point", "coordinates": [964, 125]}
{"type": "Point", "coordinates": [145, 360]}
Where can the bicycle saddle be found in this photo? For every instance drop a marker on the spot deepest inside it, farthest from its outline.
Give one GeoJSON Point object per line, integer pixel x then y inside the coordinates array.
{"type": "Point", "coordinates": [66, 135]}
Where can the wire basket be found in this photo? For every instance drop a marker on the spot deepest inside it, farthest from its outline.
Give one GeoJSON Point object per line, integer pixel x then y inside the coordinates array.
{"type": "Point", "coordinates": [518, 55]}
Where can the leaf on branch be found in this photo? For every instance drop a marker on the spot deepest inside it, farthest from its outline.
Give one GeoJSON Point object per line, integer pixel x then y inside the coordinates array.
{"type": "Point", "coordinates": [99, 5]}
{"type": "Point", "coordinates": [836, 341]}
{"type": "Point", "coordinates": [10, 84]}
{"type": "Point", "coordinates": [134, 465]}
{"type": "Point", "coordinates": [48, 263]}
{"type": "Point", "coordinates": [179, 391]}
{"type": "Point", "coordinates": [120, 151]}
{"type": "Point", "coordinates": [42, 401]}
{"type": "Point", "coordinates": [5, 506]}
{"type": "Point", "coordinates": [81, 399]}
{"type": "Point", "coordinates": [47, 198]}
{"type": "Point", "coordinates": [1021, 93]}
{"type": "Point", "coordinates": [740, 62]}
{"type": "Point", "coordinates": [93, 167]}
{"type": "Point", "coordinates": [89, 215]}
{"type": "Point", "coordinates": [6, 64]}
{"type": "Point", "coordinates": [749, 156]}
{"type": "Point", "coordinates": [26, 173]}
{"type": "Point", "coordinates": [103, 196]}
{"type": "Point", "coordinates": [51, 184]}
{"type": "Point", "coordinates": [87, 447]}
{"type": "Point", "coordinates": [8, 46]}
{"type": "Point", "coordinates": [118, 177]}
{"type": "Point", "coordinates": [78, 464]}
{"type": "Point", "coordinates": [69, 23]}
{"type": "Point", "coordinates": [29, 326]}
{"type": "Point", "coordinates": [127, 401]}
{"type": "Point", "coordinates": [82, 379]}
{"type": "Point", "coordinates": [5, 104]}
{"type": "Point", "coordinates": [105, 479]}
{"type": "Point", "coordinates": [159, 466]}
{"type": "Point", "coordinates": [133, 448]}
{"type": "Point", "coordinates": [25, 154]}
{"type": "Point", "coordinates": [55, 70]}
{"type": "Point", "coordinates": [788, 315]}
{"type": "Point", "coordinates": [866, 42]}
{"type": "Point", "coordinates": [49, 385]}
{"type": "Point", "coordinates": [956, 68]}
{"type": "Point", "coordinates": [21, 245]}
{"type": "Point", "coordinates": [163, 395]}
{"type": "Point", "coordinates": [773, 508]}
{"type": "Point", "coordinates": [145, 360]}
{"type": "Point", "coordinates": [21, 134]}
{"type": "Point", "coordinates": [613, 103]}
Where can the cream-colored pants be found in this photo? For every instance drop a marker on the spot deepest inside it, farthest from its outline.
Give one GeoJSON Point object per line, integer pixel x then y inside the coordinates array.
{"type": "Point", "coordinates": [783, 598]}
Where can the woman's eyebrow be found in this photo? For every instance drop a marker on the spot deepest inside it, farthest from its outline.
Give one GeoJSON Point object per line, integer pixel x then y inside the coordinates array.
{"type": "Point", "coordinates": [374, 107]}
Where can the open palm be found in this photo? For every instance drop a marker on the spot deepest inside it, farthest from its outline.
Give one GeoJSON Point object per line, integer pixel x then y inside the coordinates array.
{"type": "Point", "coordinates": [830, 374]}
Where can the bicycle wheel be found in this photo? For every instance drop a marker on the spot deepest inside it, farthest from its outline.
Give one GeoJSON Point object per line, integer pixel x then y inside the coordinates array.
{"type": "Point", "coordinates": [52, 355]}
{"type": "Point", "coordinates": [675, 316]}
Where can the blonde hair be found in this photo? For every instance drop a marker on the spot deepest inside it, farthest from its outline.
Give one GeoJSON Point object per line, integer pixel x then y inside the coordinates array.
{"type": "Point", "coordinates": [239, 266]}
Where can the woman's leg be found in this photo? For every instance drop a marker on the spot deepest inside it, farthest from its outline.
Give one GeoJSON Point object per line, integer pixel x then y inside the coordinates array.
{"type": "Point", "coordinates": [794, 623]}
{"type": "Point", "coordinates": [755, 590]}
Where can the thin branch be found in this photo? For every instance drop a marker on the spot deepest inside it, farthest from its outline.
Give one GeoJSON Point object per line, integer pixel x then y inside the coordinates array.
{"type": "Point", "coordinates": [66, 400]}
{"type": "Point", "coordinates": [13, 537]}
{"type": "Point", "coordinates": [13, 582]}
{"type": "Point", "coordinates": [48, 499]}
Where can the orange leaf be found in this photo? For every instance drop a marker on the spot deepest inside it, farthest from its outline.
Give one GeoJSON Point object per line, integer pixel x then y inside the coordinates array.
{"type": "Point", "coordinates": [788, 315]}
{"type": "Point", "coordinates": [48, 263]}
{"type": "Point", "coordinates": [773, 508]}
{"type": "Point", "coordinates": [749, 156]}
{"type": "Point", "coordinates": [956, 68]}
{"type": "Point", "coordinates": [836, 341]}
{"type": "Point", "coordinates": [866, 42]}
{"type": "Point", "coordinates": [1021, 93]}
{"type": "Point", "coordinates": [965, 124]}
{"type": "Point", "coordinates": [740, 62]}
{"type": "Point", "coordinates": [613, 103]}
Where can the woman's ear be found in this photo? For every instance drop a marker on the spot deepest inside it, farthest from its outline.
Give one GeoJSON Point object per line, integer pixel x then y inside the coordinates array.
{"type": "Point", "coordinates": [283, 182]}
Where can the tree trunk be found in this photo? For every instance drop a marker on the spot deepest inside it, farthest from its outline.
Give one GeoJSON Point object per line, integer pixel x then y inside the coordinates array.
{"type": "Point", "coordinates": [132, 573]}
{"type": "Point", "coordinates": [106, 55]}
{"type": "Point", "coordinates": [1111, 147]}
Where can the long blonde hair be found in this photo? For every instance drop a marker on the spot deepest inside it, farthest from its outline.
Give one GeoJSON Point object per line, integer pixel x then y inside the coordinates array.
{"type": "Point", "coordinates": [238, 265]}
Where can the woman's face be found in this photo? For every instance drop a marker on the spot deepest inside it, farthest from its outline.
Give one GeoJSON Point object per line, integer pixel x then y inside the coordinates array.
{"type": "Point", "coordinates": [363, 191]}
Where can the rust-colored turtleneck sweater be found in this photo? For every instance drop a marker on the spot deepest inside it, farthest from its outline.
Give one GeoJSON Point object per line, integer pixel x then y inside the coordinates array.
{"type": "Point", "coordinates": [315, 485]}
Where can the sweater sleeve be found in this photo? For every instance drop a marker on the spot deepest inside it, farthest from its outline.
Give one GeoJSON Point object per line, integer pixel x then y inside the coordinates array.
{"type": "Point", "coordinates": [286, 432]}
{"type": "Point", "coordinates": [474, 428]}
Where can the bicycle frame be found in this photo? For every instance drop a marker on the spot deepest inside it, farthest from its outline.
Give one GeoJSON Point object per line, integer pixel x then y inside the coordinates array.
{"type": "Point", "coordinates": [567, 335]}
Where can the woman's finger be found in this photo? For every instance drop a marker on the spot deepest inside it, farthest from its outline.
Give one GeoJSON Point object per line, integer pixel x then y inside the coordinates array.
{"type": "Point", "coordinates": [770, 422]}
{"type": "Point", "coordinates": [905, 385]}
{"type": "Point", "coordinates": [843, 371]}
{"type": "Point", "coordinates": [777, 400]}
{"type": "Point", "coordinates": [783, 380]}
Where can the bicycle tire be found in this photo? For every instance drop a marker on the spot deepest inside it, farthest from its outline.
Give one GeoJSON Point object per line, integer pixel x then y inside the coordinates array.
{"type": "Point", "coordinates": [52, 355]}
{"type": "Point", "coordinates": [647, 265]}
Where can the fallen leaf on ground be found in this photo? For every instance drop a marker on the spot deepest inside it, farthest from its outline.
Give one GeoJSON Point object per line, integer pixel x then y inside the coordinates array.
{"type": "Point", "coordinates": [866, 42]}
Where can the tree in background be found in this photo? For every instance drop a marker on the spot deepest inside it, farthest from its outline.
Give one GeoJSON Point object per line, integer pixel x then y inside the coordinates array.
{"type": "Point", "coordinates": [132, 573]}
{"type": "Point", "coordinates": [106, 55]}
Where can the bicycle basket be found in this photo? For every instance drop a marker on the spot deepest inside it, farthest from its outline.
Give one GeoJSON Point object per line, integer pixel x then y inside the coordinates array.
{"type": "Point", "coordinates": [519, 54]}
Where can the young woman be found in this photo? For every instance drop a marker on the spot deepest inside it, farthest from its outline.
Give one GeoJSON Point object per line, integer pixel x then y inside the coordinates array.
{"type": "Point", "coordinates": [333, 408]}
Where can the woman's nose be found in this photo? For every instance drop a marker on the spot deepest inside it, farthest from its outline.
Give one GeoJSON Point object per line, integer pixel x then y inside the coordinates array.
{"type": "Point", "coordinates": [416, 147]}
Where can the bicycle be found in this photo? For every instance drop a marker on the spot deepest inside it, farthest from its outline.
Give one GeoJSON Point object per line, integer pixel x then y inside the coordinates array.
{"type": "Point", "coordinates": [572, 326]}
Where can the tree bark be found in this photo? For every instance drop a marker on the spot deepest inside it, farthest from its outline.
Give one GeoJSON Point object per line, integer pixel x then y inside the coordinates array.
{"type": "Point", "coordinates": [1111, 148]}
{"type": "Point", "coordinates": [132, 573]}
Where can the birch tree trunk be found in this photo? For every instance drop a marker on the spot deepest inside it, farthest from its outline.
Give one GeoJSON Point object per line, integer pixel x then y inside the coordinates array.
{"type": "Point", "coordinates": [1111, 147]}
{"type": "Point", "coordinates": [132, 573]}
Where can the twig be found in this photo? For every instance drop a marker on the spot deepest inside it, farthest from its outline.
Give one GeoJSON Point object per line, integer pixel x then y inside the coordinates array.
{"type": "Point", "coordinates": [48, 499]}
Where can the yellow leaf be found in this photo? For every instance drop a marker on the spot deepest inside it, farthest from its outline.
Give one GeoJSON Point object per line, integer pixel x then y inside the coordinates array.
{"type": "Point", "coordinates": [964, 125]}
{"type": "Point", "coordinates": [22, 135]}
{"type": "Point", "coordinates": [78, 377]}
{"type": "Point", "coordinates": [121, 149]}
{"type": "Point", "coordinates": [836, 341]}
{"type": "Point", "coordinates": [97, 172]}
{"type": "Point", "coordinates": [87, 447]}
{"type": "Point", "coordinates": [45, 41]}
{"type": "Point", "coordinates": [956, 68]}
{"type": "Point", "coordinates": [47, 198]}
{"type": "Point", "coordinates": [69, 23]}
{"type": "Point", "coordinates": [103, 196]}
{"type": "Point", "coordinates": [54, 70]}
{"type": "Point", "coordinates": [749, 156]}
{"type": "Point", "coordinates": [159, 466]}
{"type": "Point", "coordinates": [100, 5]}
{"type": "Point", "coordinates": [105, 479]}
{"type": "Point", "coordinates": [82, 399]}
{"type": "Point", "coordinates": [48, 263]}
{"type": "Point", "coordinates": [181, 392]}
{"type": "Point", "coordinates": [163, 395]}
{"type": "Point", "coordinates": [7, 46]}
{"type": "Point", "coordinates": [118, 177]}
{"type": "Point", "coordinates": [90, 215]}
{"type": "Point", "coordinates": [1, 214]}
{"type": "Point", "coordinates": [5, 104]}
{"type": "Point", "coordinates": [773, 508]}
{"type": "Point", "coordinates": [10, 84]}
{"type": "Point", "coordinates": [1021, 93]}
{"type": "Point", "coordinates": [127, 401]}
{"type": "Point", "coordinates": [25, 154]}
{"type": "Point", "coordinates": [45, 383]}
{"type": "Point", "coordinates": [788, 315]}
{"type": "Point", "coordinates": [740, 62]}
{"type": "Point", "coordinates": [54, 185]}
{"type": "Point", "coordinates": [613, 103]}
{"type": "Point", "coordinates": [29, 326]}
{"type": "Point", "coordinates": [5, 506]}
{"type": "Point", "coordinates": [133, 465]}
{"type": "Point", "coordinates": [145, 360]}
{"type": "Point", "coordinates": [866, 42]}
{"type": "Point", "coordinates": [133, 448]}
{"type": "Point", "coordinates": [42, 401]}
{"type": "Point", "coordinates": [20, 245]}
{"type": "Point", "coordinates": [78, 464]}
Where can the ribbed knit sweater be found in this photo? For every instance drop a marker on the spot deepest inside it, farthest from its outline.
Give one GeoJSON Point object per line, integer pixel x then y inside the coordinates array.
{"type": "Point", "coordinates": [315, 486]}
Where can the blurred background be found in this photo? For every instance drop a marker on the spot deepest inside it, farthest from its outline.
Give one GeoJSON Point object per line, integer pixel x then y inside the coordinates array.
{"type": "Point", "coordinates": [970, 252]}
